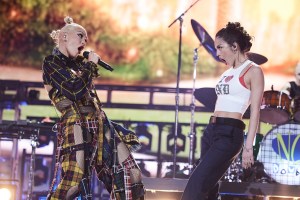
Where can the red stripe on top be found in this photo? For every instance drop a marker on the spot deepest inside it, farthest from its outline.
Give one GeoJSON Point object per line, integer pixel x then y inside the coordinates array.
{"type": "Point", "coordinates": [242, 81]}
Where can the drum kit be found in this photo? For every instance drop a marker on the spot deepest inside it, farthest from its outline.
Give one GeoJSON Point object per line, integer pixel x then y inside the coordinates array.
{"type": "Point", "coordinates": [280, 150]}
{"type": "Point", "coordinates": [279, 108]}
{"type": "Point", "coordinates": [277, 154]}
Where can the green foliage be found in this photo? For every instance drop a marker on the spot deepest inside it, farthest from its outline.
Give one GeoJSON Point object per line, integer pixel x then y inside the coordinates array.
{"type": "Point", "coordinates": [154, 53]}
{"type": "Point", "coordinates": [24, 35]}
{"type": "Point", "coordinates": [25, 41]}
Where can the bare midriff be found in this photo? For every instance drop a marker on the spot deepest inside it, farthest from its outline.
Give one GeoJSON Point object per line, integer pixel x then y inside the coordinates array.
{"type": "Point", "coordinates": [234, 115]}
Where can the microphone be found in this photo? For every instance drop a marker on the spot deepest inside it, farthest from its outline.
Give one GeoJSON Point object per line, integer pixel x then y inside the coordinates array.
{"type": "Point", "coordinates": [100, 62]}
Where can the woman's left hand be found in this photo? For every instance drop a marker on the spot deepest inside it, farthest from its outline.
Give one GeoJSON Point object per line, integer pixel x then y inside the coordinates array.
{"type": "Point", "coordinates": [247, 157]}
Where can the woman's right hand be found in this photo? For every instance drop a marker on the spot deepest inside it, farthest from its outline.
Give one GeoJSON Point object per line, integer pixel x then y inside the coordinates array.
{"type": "Point", "coordinates": [94, 57]}
{"type": "Point", "coordinates": [247, 157]}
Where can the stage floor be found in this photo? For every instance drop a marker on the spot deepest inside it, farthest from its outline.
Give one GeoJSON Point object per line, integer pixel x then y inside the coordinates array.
{"type": "Point", "coordinates": [157, 188]}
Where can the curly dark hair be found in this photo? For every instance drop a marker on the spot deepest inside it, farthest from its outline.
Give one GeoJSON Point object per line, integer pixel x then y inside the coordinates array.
{"type": "Point", "coordinates": [234, 32]}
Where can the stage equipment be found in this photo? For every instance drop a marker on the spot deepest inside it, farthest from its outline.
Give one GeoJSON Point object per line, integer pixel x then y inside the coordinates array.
{"type": "Point", "coordinates": [275, 107]}
{"type": "Point", "coordinates": [192, 134]}
{"type": "Point", "coordinates": [209, 45]}
{"type": "Point", "coordinates": [205, 40]}
{"type": "Point", "coordinates": [257, 58]}
{"type": "Point", "coordinates": [43, 175]}
{"type": "Point", "coordinates": [145, 137]}
{"type": "Point", "coordinates": [280, 155]}
{"type": "Point", "coordinates": [8, 190]}
{"type": "Point", "coordinates": [159, 188]}
{"type": "Point", "coordinates": [100, 62]}
{"type": "Point", "coordinates": [180, 19]}
{"type": "Point", "coordinates": [236, 173]}
{"type": "Point", "coordinates": [206, 96]}
{"type": "Point", "coordinates": [25, 130]}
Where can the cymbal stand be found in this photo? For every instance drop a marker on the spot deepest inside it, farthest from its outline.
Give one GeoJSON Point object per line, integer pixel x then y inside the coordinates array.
{"type": "Point", "coordinates": [180, 18]}
{"type": "Point", "coordinates": [34, 144]}
{"type": "Point", "coordinates": [192, 134]}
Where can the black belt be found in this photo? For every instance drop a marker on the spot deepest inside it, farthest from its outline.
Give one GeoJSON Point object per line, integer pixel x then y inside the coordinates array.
{"type": "Point", "coordinates": [227, 121]}
{"type": "Point", "coordinates": [76, 147]}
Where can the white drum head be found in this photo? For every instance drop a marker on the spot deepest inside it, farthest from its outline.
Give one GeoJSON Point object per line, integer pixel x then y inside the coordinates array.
{"type": "Point", "coordinates": [280, 154]}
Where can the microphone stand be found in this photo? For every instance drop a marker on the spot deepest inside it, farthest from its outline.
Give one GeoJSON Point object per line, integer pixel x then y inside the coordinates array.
{"type": "Point", "coordinates": [177, 85]}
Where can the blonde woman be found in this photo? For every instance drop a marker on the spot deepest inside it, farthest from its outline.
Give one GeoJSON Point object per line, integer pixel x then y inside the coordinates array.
{"type": "Point", "coordinates": [87, 139]}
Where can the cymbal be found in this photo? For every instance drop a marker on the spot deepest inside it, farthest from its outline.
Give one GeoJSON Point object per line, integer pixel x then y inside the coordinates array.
{"type": "Point", "coordinates": [205, 39]}
{"type": "Point", "coordinates": [206, 96]}
{"type": "Point", "coordinates": [208, 44]}
{"type": "Point", "coordinates": [257, 58]}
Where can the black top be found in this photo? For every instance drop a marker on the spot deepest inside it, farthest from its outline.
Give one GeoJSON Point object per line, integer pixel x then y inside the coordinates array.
{"type": "Point", "coordinates": [295, 90]}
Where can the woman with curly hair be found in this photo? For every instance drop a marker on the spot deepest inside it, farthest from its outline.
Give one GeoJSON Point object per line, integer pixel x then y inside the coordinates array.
{"type": "Point", "coordinates": [241, 85]}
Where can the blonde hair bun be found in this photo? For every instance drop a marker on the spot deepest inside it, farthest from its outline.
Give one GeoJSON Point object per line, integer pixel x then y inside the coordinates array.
{"type": "Point", "coordinates": [68, 20]}
{"type": "Point", "coordinates": [55, 36]}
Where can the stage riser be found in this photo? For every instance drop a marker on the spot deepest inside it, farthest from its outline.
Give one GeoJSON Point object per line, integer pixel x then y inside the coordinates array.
{"type": "Point", "coordinates": [228, 190]}
{"type": "Point", "coordinates": [171, 189]}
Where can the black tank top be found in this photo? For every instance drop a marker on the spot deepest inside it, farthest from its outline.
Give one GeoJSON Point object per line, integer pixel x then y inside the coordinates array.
{"type": "Point", "coordinates": [295, 90]}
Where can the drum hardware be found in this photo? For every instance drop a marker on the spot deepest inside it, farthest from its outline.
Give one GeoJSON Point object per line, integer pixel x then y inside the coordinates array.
{"type": "Point", "coordinates": [257, 58]}
{"type": "Point", "coordinates": [192, 134]}
{"type": "Point", "coordinates": [34, 144]}
{"type": "Point", "coordinates": [207, 42]}
{"type": "Point", "coordinates": [255, 173]}
{"type": "Point", "coordinates": [207, 97]}
{"type": "Point", "coordinates": [209, 45]}
{"type": "Point", "coordinates": [235, 171]}
{"type": "Point", "coordinates": [275, 108]}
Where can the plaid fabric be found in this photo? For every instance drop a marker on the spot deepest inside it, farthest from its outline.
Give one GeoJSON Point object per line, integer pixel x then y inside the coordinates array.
{"type": "Point", "coordinates": [97, 127]}
{"type": "Point", "coordinates": [72, 89]}
{"type": "Point", "coordinates": [128, 164]}
{"type": "Point", "coordinates": [118, 183]}
{"type": "Point", "coordinates": [71, 175]}
{"type": "Point", "coordinates": [58, 71]}
{"type": "Point", "coordinates": [127, 136]}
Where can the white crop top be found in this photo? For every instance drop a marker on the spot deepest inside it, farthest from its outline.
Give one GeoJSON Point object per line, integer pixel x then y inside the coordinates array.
{"type": "Point", "coordinates": [232, 95]}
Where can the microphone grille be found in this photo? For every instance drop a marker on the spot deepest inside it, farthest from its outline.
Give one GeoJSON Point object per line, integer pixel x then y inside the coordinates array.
{"type": "Point", "coordinates": [86, 54]}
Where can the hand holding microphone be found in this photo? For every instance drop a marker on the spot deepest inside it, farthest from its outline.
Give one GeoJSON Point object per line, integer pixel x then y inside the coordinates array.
{"type": "Point", "coordinates": [91, 56]}
{"type": "Point", "coordinates": [94, 57]}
